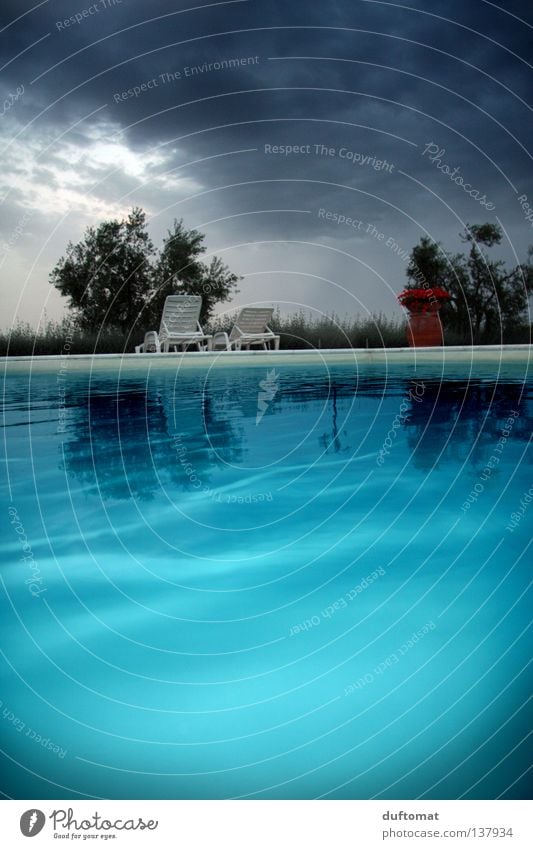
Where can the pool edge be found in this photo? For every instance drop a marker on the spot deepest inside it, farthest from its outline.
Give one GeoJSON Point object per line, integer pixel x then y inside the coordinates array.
{"type": "Point", "coordinates": [467, 354]}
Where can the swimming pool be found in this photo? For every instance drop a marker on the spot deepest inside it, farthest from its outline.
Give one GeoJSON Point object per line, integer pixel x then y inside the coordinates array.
{"type": "Point", "coordinates": [260, 576]}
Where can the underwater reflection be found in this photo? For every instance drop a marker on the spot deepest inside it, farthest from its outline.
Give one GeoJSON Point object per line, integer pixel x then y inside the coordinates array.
{"type": "Point", "coordinates": [461, 421]}
{"type": "Point", "coordinates": [134, 439]}
{"type": "Point", "coordinates": [124, 445]}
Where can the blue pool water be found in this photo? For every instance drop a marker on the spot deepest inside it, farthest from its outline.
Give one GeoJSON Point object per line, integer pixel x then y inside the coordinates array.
{"type": "Point", "coordinates": [238, 582]}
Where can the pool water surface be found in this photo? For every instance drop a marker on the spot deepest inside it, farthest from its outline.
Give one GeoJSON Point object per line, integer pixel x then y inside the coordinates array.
{"type": "Point", "coordinates": [288, 581]}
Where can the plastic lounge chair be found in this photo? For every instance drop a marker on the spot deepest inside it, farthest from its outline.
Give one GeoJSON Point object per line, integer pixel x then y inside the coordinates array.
{"type": "Point", "coordinates": [180, 325]}
{"type": "Point", "coordinates": [151, 344]}
{"type": "Point", "coordinates": [250, 328]}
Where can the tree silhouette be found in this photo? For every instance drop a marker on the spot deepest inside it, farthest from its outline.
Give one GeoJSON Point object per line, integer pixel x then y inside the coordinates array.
{"type": "Point", "coordinates": [489, 301]}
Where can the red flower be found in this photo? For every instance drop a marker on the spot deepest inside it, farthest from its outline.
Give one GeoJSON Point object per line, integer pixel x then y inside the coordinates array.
{"type": "Point", "coordinates": [423, 300]}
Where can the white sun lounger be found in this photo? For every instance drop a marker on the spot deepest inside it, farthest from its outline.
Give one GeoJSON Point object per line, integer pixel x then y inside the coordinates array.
{"type": "Point", "coordinates": [180, 326]}
{"type": "Point", "coordinates": [250, 328]}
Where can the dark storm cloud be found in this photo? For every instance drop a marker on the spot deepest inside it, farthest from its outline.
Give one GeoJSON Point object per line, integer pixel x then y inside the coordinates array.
{"type": "Point", "coordinates": [152, 40]}
{"type": "Point", "coordinates": [374, 81]}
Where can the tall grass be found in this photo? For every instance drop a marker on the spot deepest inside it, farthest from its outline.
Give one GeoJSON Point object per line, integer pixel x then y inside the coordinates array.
{"type": "Point", "coordinates": [299, 330]}
{"type": "Point", "coordinates": [60, 337]}
{"type": "Point", "coordinates": [329, 331]}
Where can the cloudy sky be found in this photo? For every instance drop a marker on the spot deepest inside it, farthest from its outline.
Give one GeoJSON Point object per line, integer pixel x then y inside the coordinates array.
{"type": "Point", "coordinates": [313, 142]}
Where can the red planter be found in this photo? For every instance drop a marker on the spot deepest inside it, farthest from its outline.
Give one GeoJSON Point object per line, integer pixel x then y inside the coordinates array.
{"type": "Point", "coordinates": [424, 329]}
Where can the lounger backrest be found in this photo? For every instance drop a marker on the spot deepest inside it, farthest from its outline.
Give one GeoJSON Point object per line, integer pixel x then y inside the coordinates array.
{"type": "Point", "coordinates": [181, 313]}
{"type": "Point", "coordinates": [251, 320]}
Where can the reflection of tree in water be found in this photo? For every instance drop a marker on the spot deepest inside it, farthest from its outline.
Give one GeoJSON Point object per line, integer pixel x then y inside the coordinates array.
{"type": "Point", "coordinates": [124, 442]}
{"type": "Point", "coordinates": [462, 421]}
{"type": "Point", "coordinates": [331, 440]}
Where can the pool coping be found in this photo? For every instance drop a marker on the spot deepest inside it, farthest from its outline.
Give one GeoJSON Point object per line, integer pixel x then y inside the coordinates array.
{"type": "Point", "coordinates": [467, 354]}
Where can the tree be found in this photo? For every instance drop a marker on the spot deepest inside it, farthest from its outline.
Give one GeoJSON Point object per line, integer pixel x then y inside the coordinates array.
{"type": "Point", "coordinates": [108, 275]}
{"type": "Point", "coordinates": [488, 301]}
{"type": "Point", "coordinates": [179, 271]}
{"type": "Point", "coordinates": [110, 279]}
{"type": "Point", "coordinates": [218, 284]}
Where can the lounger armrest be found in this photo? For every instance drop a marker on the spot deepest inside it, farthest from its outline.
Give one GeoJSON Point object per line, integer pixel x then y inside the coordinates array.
{"type": "Point", "coordinates": [153, 340]}
{"type": "Point", "coordinates": [220, 339]}
{"type": "Point", "coordinates": [275, 337]}
{"type": "Point", "coordinates": [207, 336]}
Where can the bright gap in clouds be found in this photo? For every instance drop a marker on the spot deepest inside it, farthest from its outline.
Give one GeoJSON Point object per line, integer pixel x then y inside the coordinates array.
{"type": "Point", "coordinates": [58, 186]}
{"type": "Point", "coordinates": [92, 173]}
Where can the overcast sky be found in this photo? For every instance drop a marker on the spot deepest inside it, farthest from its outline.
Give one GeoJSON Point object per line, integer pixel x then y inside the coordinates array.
{"type": "Point", "coordinates": [365, 93]}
